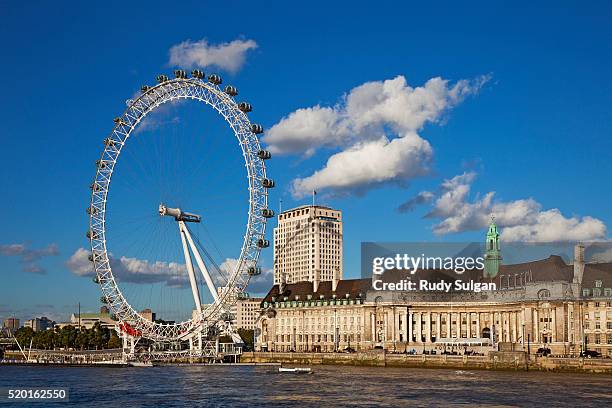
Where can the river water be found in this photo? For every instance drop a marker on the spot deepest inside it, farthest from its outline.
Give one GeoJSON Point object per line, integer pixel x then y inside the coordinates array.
{"type": "Point", "coordinates": [248, 386]}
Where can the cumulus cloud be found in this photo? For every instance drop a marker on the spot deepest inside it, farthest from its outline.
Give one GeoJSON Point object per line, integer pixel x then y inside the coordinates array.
{"type": "Point", "coordinates": [376, 128]}
{"type": "Point", "coordinates": [365, 165]}
{"type": "Point", "coordinates": [229, 56]}
{"type": "Point", "coordinates": [29, 257]}
{"type": "Point", "coordinates": [522, 220]}
{"type": "Point", "coordinates": [132, 270]}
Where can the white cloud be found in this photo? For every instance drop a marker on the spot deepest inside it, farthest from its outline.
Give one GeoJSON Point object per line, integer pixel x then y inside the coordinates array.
{"type": "Point", "coordinates": [522, 220]}
{"type": "Point", "coordinates": [365, 165]}
{"type": "Point", "coordinates": [376, 127]}
{"type": "Point", "coordinates": [132, 270]}
{"type": "Point", "coordinates": [229, 56]}
{"type": "Point", "coordinates": [28, 256]}
{"type": "Point", "coordinates": [173, 274]}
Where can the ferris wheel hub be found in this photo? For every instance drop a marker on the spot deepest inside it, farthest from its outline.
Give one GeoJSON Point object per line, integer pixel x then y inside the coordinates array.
{"type": "Point", "coordinates": [178, 214]}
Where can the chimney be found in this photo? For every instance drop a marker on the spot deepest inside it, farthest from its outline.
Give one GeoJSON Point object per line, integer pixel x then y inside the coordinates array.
{"type": "Point", "coordinates": [335, 280]}
{"type": "Point", "coordinates": [578, 263]}
{"type": "Point", "coordinates": [315, 282]}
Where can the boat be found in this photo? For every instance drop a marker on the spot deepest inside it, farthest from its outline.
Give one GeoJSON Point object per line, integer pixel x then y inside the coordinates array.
{"type": "Point", "coordinates": [140, 364]}
{"type": "Point", "coordinates": [295, 370]}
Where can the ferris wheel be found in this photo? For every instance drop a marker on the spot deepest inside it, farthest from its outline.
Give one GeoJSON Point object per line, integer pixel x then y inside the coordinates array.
{"type": "Point", "coordinates": [208, 91]}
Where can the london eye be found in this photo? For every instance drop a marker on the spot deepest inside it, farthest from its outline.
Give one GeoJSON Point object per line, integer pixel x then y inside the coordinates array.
{"type": "Point", "coordinates": [195, 269]}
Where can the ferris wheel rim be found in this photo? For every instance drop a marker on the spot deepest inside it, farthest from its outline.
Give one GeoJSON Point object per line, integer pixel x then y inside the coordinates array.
{"type": "Point", "coordinates": [166, 91]}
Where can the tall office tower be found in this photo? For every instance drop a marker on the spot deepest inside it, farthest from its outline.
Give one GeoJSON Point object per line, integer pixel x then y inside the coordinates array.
{"type": "Point", "coordinates": [308, 245]}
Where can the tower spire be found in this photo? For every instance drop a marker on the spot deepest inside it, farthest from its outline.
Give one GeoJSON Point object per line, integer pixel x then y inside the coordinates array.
{"type": "Point", "coordinates": [493, 256]}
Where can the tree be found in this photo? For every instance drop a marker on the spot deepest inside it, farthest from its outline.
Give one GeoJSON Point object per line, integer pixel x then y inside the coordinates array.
{"type": "Point", "coordinates": [24, 335]}
{"type": "Point", "coordinates": [115, 341]}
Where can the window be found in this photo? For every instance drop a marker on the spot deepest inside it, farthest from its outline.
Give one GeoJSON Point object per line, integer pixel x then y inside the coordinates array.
{"type": "Point", "coordinates": [585, 292]}
{"type": "Point", "coordinates": [598, 284]}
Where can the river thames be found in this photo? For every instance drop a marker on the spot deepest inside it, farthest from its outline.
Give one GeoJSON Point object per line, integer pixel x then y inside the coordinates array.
{"type": "Point", "coordinates": [248, 386]}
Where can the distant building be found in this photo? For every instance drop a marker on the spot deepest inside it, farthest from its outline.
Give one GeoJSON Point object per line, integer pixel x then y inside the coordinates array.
{"type": "Point", "coordinates": [308, 245]}
{"type": "Point", "coordinates": [40, 324]}
{"type": "Point", "coordinates": [247, 312]}
{"type": "Point", "coordinates": [148, 315]}
{"type": "Point", "coordinates": [11, 325]}
{"type": "Point", "coordinates": [88, 320]}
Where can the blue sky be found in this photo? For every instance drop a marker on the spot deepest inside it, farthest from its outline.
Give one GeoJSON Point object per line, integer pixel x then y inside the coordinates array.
{"type": "Point", "coordinates": [533, 124]}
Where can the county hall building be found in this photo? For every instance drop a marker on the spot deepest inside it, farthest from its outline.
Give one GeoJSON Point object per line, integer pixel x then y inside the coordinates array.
{"type": "Point", "coordinates": [548, 303]}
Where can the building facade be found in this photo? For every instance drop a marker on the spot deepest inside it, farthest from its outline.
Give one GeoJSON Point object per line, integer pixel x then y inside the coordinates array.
{"type": "Point", "coordinates": [148, 314]}
{"type": "Point", "coordinates": [543, 304]}
{"type": "Point", "coordinates": [247, 312]}
{"type": "Point", "coordinates": [11, 325]}
{"type": "Point", "coordinates": [40, 323]}
{"type": "Point", "coordinates": [308, 244]}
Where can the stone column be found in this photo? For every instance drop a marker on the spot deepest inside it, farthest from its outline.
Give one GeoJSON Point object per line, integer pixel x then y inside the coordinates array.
{"type": "Point", "coordinates": [373, 326]}
{"type": "Point", "coordinates": [438, 326]}
{"type": "Point", "coordinates": [419, 326]}
{"type": "Point", "coordinates": [469, 325]}
{"type": "Point", "coordinates": [536, 326]}
{"type": "Point", "coordinates": [553, 312]}
{"type": "Point", "coordinates": [406, 331]}
{"type": "Point", "coordinates": [514, 327]}
{"type": "Point", "coordinates": [478, 330]}
{"type": "Point", "coordinates": [411, 327]}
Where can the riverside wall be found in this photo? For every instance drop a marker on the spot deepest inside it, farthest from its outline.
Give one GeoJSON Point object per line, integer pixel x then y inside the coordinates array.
{"type": "Point", "coordinates": [494, 361]}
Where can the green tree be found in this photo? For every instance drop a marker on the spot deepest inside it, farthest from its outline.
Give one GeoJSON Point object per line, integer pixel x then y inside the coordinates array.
{"type": "Point", "coordinates": [114, 341]}
{"type": "Point", "coordinates": [24, 335]}
{"type": "Point", "coordinates": [82, 339]}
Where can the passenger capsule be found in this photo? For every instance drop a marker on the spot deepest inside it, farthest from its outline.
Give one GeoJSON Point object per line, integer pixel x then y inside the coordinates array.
{"type": "Point", "coordinates": [242, 296]}
{"type": "Point", "coordinates": [196, 73]}
{"type": "Point", "coordinates": [267, 183]}
{"type": "Point", "coordinates": [91, 234]}
{"type": "Point", "coordinates": [263, 243]}
{"type": "Point", "coordinates": [109, 142]}
{"type": "Point", "coordinates": [231, 90]}
{"type": "Point", "coordinates": [268, 213]}
{"type": "Point", "coordinates": [264, 154]}
{"type": "Point", "coordinates": [215, 79]}
{"type": "Point", "coordinates": [95, 279]}
{"type": "Point", "coordinates": [95, 187]}
{"type": "Point", "coordinates": [162, 78]}
{"type": "Point", "coordinates": [90, 257]}
{"type": "Point", "coordinates": [245, 107]}
{"type": "Point", "coordinates": [119, 121]}
{"type": "Point", "coordinates": [257, 129]}
{"type": "Point", "coordinates": [254, 271]}
{"type": "Point", "coordinates": [91, 210]}
{"type": "Point", "coordinates": [179, 73]}
{"type": "Point", "coordinates": [144, 88]}
{"type": "Point", "coordinates": [103, 299]}
{"type": "Point", "coordinates": [100, 164]}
